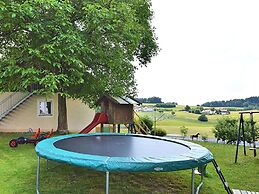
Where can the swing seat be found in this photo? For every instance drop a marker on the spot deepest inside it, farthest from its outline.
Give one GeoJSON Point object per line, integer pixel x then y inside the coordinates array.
{"type": "Point", "coordinates": [253, 148]}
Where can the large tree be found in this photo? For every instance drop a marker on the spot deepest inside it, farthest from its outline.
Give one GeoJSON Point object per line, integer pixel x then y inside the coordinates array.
{"type": "Point", "coordinates": [76, 48]}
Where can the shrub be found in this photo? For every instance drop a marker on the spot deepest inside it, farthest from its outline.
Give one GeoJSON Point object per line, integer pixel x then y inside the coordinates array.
{"type": "Point", "coordinates": [159, 132]}
{"type": "Point", "coordinates": [184, 131]}
{"type": "Point", "coordinates": [203, 118]}
{"type": "Point", "coordinates": [187, 108]}
{"type": "Point", "coordinates": [204, 137]}
{"type": "Point", "coordinates": [197, 111]}
{"type": "Point", "coordinates": [248, 131]}
{"type": "Point", "coordinates": [226, 129]}
{"type": "Point", "coordinates": [146, 123]}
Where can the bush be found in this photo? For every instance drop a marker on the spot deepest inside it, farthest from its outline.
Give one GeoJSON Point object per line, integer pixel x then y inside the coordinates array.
{"type": "Point", "coordinates": [204, 137]}
{"type": "Point", "coordinates": [187, 108]}
{"type": "Point", "coordinates": [203, 118]}
{"type": "Point", "coordinates": [248, 131]}
{"type": "Point", "coordinates": [146, 123]}
{"type": "Point", "coordinates": [159, 132]}
{"type": "Point", "coordinates": [197, 111]}
{"type": "Point", "coordinates": [184, 131]}
{"type": "Point", "coordinates": [226, 129]}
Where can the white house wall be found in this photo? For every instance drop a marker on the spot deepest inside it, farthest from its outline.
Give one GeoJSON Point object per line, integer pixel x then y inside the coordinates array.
{"type": "Point", "coordinates": [4, 95]}
{"type": "Point", "coordinates": [27, 116]}
{"type": "Point", "coordinates": [79, 115]}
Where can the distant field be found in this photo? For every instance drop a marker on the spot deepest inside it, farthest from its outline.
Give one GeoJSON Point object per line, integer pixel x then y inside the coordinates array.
{"type": "Point", "coordinates": [172, 124]}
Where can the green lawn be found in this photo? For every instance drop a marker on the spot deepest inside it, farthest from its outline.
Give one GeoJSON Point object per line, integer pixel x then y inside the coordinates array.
{"type": "Point", "coordinates": [18, 171]}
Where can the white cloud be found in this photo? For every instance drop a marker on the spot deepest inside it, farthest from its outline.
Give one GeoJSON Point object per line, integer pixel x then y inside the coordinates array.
{"type": "Point", "coordinates": [210, 51]}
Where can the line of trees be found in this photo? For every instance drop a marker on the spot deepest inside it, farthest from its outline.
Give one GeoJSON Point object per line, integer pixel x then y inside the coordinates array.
{"type": "Point", "coordinates": [153, 99]}
{"type": "Point", "coordinates": [251, 102]}
{"type": "Point", "coordinates": [158, 101]}
{"type": "Point", "coordinates": [167, 105]}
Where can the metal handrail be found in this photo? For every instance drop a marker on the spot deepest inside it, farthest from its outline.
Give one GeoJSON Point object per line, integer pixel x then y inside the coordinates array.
{"type": "Point", "coordinates": [15, 99]}
{"type": "Point", "coordinates": [7, 98]}
{"type": "Point", "coordinates": [12, 101]}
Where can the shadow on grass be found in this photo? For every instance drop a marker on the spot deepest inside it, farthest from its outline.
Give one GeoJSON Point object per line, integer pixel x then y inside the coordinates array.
{"type": "Point", "coordinates": [70, 179]}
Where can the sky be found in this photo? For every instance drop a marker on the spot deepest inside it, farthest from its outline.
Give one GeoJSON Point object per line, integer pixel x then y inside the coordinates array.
{"type": "Point", "coordinates": [209, 51]}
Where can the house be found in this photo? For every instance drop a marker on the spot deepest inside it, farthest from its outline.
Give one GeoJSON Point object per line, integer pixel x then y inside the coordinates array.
{"type": "Point", "coordinates": [144, 108]}
{"type": "Point", "coordinates": [20, 111]}
{"type": "Point", "coordinates": [208, 112]}
{"type": "Point", "coordinates": [224, 112]}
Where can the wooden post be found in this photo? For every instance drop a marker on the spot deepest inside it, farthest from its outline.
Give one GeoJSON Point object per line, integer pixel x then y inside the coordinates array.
{"type": "Point", "coordinates": [238, 136]}
{"type": "Point", "coordinates": [101, 127]}
{"type": "Point", "coordinates": [243, 134]}
{"type": "Point", "coordinates": [114, 128]}
{"type": "Point", "coordinates": [119, 128]}
{"type": "Point", "coordinates": [253, 133]}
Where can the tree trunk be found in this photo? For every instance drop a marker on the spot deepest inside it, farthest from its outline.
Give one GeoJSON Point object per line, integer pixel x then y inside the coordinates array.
{"type": "Point", "coordinates": [62, 115]}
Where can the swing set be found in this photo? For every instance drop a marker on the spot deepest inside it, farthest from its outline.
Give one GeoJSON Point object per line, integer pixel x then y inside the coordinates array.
{"type": "Point", "coordinates": [241, 129]}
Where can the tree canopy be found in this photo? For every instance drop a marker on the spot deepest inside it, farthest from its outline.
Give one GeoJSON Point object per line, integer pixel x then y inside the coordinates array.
{"type": "Point", "coordinates": [77, 48]}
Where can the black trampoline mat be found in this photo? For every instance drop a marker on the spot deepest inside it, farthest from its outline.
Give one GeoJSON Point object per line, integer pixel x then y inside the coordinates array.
{"type": "Point", "coordinates": [122, 146]}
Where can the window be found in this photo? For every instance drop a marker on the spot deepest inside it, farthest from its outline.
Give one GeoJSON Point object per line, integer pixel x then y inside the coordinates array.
{"type": "Point", "coordinates": [45, 108]}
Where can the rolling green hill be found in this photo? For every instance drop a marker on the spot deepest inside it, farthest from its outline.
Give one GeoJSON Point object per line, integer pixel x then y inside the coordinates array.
{"type": "Point", "coordinates": [172, 123]}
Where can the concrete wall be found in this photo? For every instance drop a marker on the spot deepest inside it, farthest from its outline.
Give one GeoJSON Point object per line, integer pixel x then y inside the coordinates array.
{"type": "Point", "coordinates": [27, 116]}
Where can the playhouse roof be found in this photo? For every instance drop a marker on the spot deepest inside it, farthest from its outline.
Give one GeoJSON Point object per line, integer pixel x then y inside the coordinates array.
{"type": "Point", "coordinates": [123, 100]}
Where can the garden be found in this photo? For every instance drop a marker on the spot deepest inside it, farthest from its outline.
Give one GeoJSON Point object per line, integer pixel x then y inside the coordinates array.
{"type": "Point", "coordinates": [18, 174]}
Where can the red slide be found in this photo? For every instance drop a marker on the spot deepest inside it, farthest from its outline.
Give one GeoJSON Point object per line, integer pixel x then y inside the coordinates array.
{"type": "Point", "coordinates": [99, 118]}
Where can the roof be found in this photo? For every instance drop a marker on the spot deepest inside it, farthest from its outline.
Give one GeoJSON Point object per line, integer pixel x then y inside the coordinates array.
{"type": "Point", "coordinates": [123, 100]}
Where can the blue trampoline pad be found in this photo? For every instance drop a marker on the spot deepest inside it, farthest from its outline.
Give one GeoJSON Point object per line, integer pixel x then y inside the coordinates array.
{"type": "Point", "coordinates": [124, 152]}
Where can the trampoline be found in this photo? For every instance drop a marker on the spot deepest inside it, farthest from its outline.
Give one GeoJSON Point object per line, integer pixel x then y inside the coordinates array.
{"type": "Point", "coordinates": [109, 152]}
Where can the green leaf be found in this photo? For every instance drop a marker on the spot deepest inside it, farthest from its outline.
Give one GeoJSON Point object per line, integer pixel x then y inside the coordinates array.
{"type": "Point", "coordinates": [83, 49]}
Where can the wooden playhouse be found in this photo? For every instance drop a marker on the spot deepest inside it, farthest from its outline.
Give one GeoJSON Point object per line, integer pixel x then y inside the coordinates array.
{"type": "Point", "coordinates": [120, 110]}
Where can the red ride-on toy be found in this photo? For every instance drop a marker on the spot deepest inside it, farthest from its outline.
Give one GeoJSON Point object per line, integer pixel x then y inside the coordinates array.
{"type": "Point", "coordinates": [36, 138]}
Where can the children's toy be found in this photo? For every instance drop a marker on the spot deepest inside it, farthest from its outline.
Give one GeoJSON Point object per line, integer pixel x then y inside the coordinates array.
{"type": "Point", "coordinates": [36, 138]}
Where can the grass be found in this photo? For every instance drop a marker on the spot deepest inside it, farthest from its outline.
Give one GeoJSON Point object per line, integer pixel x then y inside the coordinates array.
{"type": "Point", "coordinates": [172, 124]}
{"type": "Point", "coordinates": [18, 171]}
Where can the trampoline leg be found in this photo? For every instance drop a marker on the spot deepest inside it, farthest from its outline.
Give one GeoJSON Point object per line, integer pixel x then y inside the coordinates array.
{"type": "Point", "coordinates": [47, 164]}
{"type": "Point", "coordinates": [37, 176]}
{"type": "Point", "coordinates": [107, 183]}
{"type": "Point", "coordinates": [193, 189]}
{"type": "Point", "coordinates": [201, 183]}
